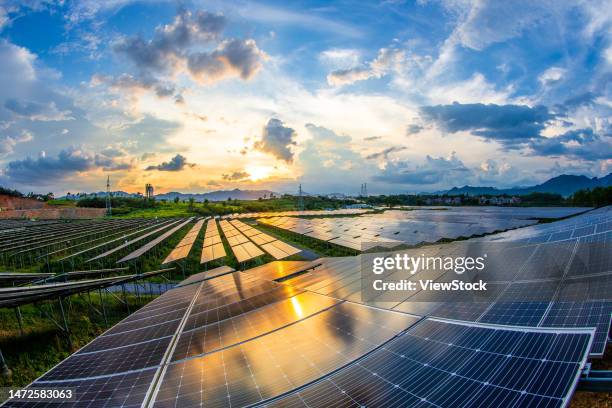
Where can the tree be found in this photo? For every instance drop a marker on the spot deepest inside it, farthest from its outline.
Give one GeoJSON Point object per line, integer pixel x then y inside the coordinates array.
{"type": "Point", "coordinates": [191, 201]}
{"type": "Point", "coordinates": [176, 200]}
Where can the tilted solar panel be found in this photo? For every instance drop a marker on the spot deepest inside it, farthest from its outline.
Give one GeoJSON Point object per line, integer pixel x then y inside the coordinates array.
{"type": "Point", "coordinates": [448, 364]}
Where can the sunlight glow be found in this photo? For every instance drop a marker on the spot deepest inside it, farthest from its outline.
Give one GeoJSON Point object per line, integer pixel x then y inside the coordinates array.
{"type": "Point", "coordinates": [258, 172]}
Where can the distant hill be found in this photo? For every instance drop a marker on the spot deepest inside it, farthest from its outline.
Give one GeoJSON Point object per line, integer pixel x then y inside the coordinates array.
{"type": "Point", "coordinates": [564, 184]}
{"type": "Point", "coordinates": [221, 195]}
{"type": "Point", "coordinates": [78, 196]}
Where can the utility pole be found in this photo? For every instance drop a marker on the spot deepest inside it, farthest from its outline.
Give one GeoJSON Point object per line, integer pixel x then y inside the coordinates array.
{"type": "Point", "coordinates": [109, 210]}
{"type": "Point", "coordinates": [300, 199]}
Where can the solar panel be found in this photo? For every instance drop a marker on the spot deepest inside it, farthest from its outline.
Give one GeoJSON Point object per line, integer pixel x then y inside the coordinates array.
{"type": "Point", "coordinates": [121, 390]}
{"type": "Point", "coordinates": [245, 326]}
{"type": "Point", "coordinates": [133, 241]}
{"type": "Point", "coordinates": [212, 273]}
{"type": "Point", "coordinates": [261, 238]}
{"type": "Point", "coordinates": [444, 363]}
{"type": "Point", "coordinates": [212, 252]}
{"type": "Point", "coordinates": [149, 245]}
{"type": "Point", "coordinates": [118, 360]}
{"type": "Point", "coordinates": [184, 246]}
{"type": "Point", "coordinates": [246, 251]}
{"type": "Point", "coordinates": [277, 362]}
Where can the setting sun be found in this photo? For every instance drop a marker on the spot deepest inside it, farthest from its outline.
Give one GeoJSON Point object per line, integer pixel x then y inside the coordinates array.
{"type": "Point", "coordinates": [258, 172]}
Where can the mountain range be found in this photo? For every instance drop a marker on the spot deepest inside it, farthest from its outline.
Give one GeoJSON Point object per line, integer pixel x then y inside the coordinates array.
{"type": "Point", "coordinates": [564, 184]}
{"type": "Point", "coordinates": [220, 195]}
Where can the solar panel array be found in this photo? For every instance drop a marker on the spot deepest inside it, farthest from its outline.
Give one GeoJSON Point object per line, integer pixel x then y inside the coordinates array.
{"type": "Point", "coordinates": [308, 213]}
{"type": "Point", "coordinates": [212, 248]}
{"type": "Point", "coordinates": [540, 282]}
{"type": "Point", "coordinates": [275, 247]}
{"type": "Point", "coordinates": [126, 244]}
{"type": "Point", "coordinates": [242, 248]}
{"type": "Point", "coordinates": [183, 248]}
{"type": "Point", "coordinates": [20, 295]}
{"type": "Point", "coordinates": [392, 228]}
{"type": "Point", "coordinates": [240, 340]}
{"type": "Point", "coordinates": [298, 333]}
{"type": "Point", "coordinates": [151, 244]}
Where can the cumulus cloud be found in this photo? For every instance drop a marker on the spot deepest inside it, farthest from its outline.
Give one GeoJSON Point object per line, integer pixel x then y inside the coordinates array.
{"type": "Point", "coordinates": [177, 163]}
{"type": "Point", "coordinates": [583, 144]}
{"type": "Point", "coordinates": [276, 139]}
{"type": "Point", "coordinates": [435, 170]}
{"type": "Point", "coordinates": [46, 169]}
{"type": "Point", "coordinates": [37, 111]}
{"type": "Point", "coordinates": [236, 176]}
{"type": "Point", "coordinates": [508, 124]}
{"type": "Point", "coordinates": [171, 40]}
{"type": "Point", "coordinates": [179, 45]}
{"type": "Point", "coordinates": [388, 59]}
{"type": "Point", "coordinates": [231, 58]}
{"type": "Point", "coordinates": [521, 126]}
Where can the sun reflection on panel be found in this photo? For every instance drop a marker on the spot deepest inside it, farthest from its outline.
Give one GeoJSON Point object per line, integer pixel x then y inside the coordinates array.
{"type": "Point", "coordinates": [297, 307]}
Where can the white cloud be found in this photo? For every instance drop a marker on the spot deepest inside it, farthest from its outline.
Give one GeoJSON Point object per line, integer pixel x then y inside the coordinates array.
{"type": "Point", "coordinates": [8, 143]}
{"type": "Point", "coordinates": [387, 60]}
{"type": "Point", "coordinates": [491, 21]}
{"type": "Point", "coordinates": [551, 75]}
{"type": "Point", "coordinates": [473, 90]}
{"type": "Point", "coordinates": [340, 58]}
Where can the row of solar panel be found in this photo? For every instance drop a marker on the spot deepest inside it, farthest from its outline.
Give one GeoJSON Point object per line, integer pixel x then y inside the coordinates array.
{"type": "Point", "coordinates": [275, 247]}
{"type": "Point", "coordinates": [248, 341]}
{"type": "Point", "coordinates": [212, 248]}
{"type": "Point", "coordinates": [183, 248]}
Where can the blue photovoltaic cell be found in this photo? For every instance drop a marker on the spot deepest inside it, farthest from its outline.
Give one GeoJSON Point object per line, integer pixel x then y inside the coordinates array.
{"type": "Point", "coordinates": [280, 361]}
{"type": "Point", "coordinates": [123, 390]}
{"type": "Point", "coordinates": [597, 314]}
{"type": "Point", "coordinates": [445, 364]}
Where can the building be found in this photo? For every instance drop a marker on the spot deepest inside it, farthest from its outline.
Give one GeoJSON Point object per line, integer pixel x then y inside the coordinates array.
{"type": "Point", "coordinates": [149, 190]}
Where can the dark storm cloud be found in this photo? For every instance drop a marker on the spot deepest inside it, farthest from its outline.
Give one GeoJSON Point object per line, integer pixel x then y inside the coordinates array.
{"type": "Point", "coordinates": [177, 163]}
{"type": "Point", "coordinates": [276, 140]}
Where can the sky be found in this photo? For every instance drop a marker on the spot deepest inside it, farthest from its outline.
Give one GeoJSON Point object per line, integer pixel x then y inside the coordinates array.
{"type": "Point", "coordinates": [406, 96]}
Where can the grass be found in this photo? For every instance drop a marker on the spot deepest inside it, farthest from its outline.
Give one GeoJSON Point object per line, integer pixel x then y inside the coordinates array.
{"type": "Point", "coordinates": [164, 210]}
